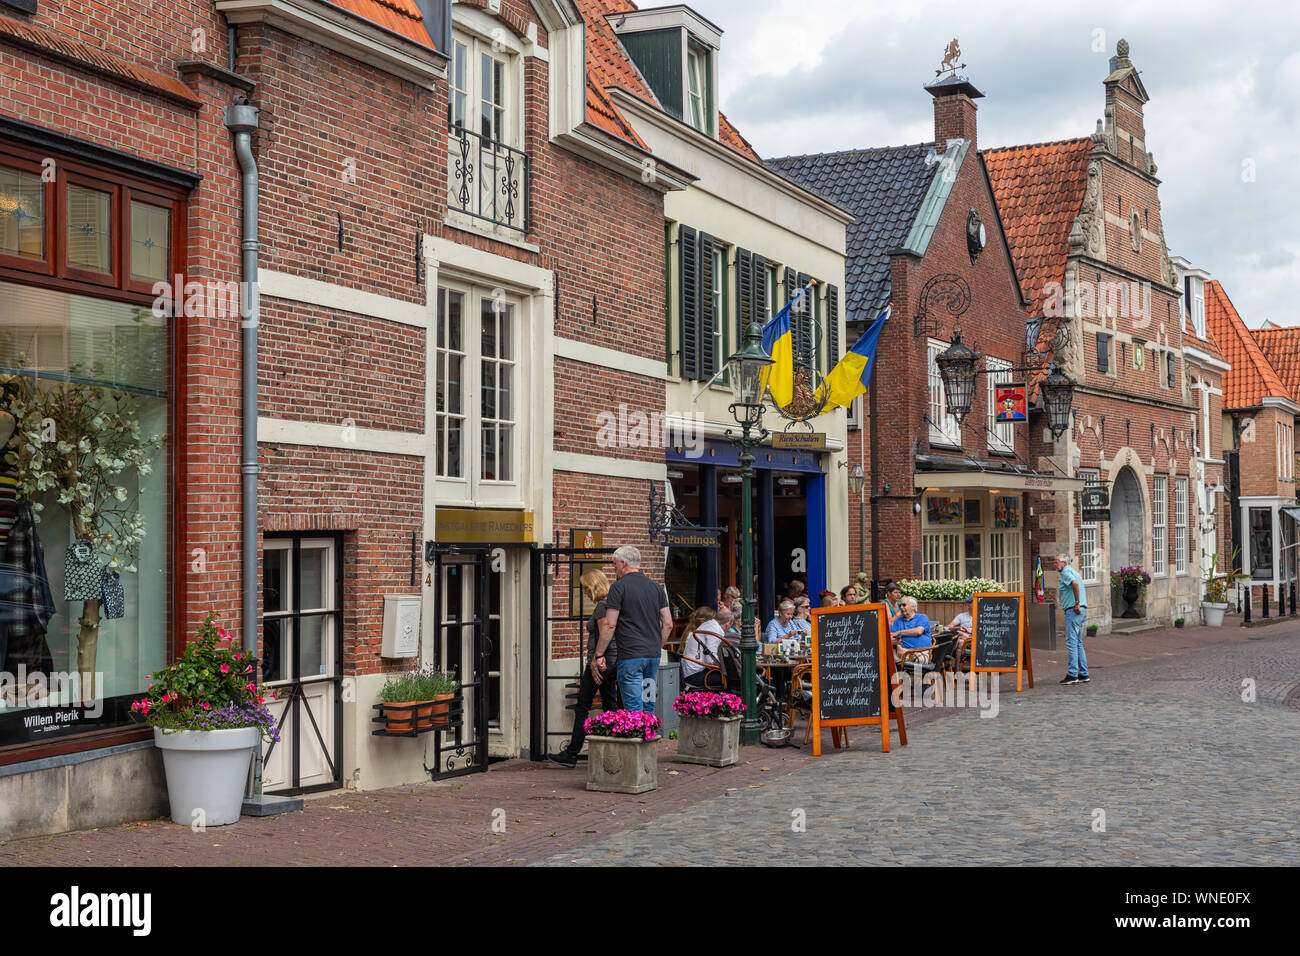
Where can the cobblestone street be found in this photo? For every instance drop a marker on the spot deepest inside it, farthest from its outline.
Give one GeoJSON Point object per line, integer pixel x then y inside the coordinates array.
{"type": "Point", "coordinates": [1161, 741]}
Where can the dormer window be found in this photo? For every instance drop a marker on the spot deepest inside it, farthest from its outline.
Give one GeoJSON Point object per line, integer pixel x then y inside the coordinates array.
{"type": "Point", "coordinates": [696, 79]}
{"type": "Point", "coordinates": [1196, 295]}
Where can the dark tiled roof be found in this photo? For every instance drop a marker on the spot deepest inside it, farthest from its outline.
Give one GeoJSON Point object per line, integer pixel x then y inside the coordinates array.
{"type": "Point", "coordinates": [884, 189]}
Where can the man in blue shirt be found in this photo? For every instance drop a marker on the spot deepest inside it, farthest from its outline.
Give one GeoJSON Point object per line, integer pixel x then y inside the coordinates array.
{"type": "Point", "coordinates": [912, 629]}
{"type": "Point", "coordinates": [1074, 602]}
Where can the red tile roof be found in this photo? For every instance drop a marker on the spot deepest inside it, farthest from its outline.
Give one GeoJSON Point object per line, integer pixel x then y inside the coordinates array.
{"type": "Point", "coordinates": [1282, 349]}
{"type": "Point", "coordinates": [402, 17]}
{"type": "Point", "coordinates": [1252, 377]}
{"type": "Point", "coordinates": [603, 114]}
{"type": "Point", "coordinates": [730, 136]}
{"type": "Point", "coordinates": [1039, 190]}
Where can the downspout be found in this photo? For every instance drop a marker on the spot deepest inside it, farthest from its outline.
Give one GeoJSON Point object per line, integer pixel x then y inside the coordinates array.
{"type": "Point", "coordinates": [241, 120]}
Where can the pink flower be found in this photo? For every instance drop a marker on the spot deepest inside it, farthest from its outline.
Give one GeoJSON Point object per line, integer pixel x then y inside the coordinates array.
{"type": "Point", "coordinates": [205, 705]}
{"type": "Point", "coordinates": [223, 634]}
{"type": "Point", "coordinates": [248, 668]}
{"type": "Point", "coordinates": [224, 668]}
{"type": "Point", "coordinates": [252, 688]}
{"type": "Point", "coordinates": [239, 657]}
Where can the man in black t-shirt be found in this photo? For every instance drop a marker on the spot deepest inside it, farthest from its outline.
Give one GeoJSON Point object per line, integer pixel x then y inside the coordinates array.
{"type": "Point", "coordinates": [640, 622]}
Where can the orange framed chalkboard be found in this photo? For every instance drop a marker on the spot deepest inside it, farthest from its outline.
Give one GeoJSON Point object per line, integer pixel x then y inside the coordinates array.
{"type": "Point", "coordinates": [999, 635]}
{"type": "Point", "coordinates": [852, 672]}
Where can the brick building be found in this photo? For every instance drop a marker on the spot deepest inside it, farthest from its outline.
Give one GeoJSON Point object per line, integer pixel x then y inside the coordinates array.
{"type": "Point", "coordinates": [1083, 218]}
{"type": "Point", "coordinates": [441, 325]}
{"type": "Point", "coordinates": [945, 499]}
{"type": "Point", "coordinates": [1259, 417]}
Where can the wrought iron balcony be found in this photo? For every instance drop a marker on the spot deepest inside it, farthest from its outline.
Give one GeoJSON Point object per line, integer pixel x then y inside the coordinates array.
{"type": "Point", "coordinates": [487, 179]}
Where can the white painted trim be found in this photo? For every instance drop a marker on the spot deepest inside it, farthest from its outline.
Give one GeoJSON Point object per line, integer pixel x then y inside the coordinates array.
{"type": "Point", "coordinates": [480, 227]}
{"type": "Point", "coordinates": [1273, 401]}
{"type": "Point", "coordinates": [615, 467]}
{"type": "Point", "coordinates": [337, 435]}
{"type": "Point", "coordinates": [609, 358]}
{"type": "Point", "coordinates": [486, 28]}
{"type": "Point", "coordinates": [1205, 358]}
{"type": "Point", "coordinates": [443, 255]}
{"type": "Point", "coordinates": [612, 153]}
{"type": "Point", "coordinates": [282, 285]}
{"type": "Point", "coordinates": [679, 424]}
{"type": "Point", "coordinates": [337, 29]}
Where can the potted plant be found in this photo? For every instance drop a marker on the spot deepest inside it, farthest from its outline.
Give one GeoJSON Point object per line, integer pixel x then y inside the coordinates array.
{"type": "Point", "coordinates": [1216, 590]}
{"type": "Point", "coordinates": [622, 751]}
{"type": "Point", "coordinates": [1178, 622]}
{"type": "Point", "coordinates": [1092, 630]}
{"type": "Point", "coordinates": [416, 700]}
{"type": "Point", "coordinates": [1132, 583]}
{"type": "Point", "coordinates": [207, 715]}
{"type": "Point", "coordinates": [710, 728]}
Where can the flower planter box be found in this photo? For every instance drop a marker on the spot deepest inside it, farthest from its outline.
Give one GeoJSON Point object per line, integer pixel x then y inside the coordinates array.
{"type": "Point", "coordinates": [712, 741]}
{"type": "Point", "coordinates": [1213, 614]}
{"type": "Point", "coordinates": [941, 612]}
{"type": "Point", "coordinates": [622, 764]}
{"type": "Point", "coordinates": [409, 716]}
{"type": "Point", "coordinates": [206, 772]}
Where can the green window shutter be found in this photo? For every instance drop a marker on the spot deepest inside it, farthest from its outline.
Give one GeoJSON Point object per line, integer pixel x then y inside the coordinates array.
{"type": "Point", "coordinates": [758, 281]}
{"type": "Point", "coordinates": [805, 346]}
{"type": "Point", "coordinates": [744, 294]}
{"type": "Point", "coordinates": [708, 320]}
{"type": "Point", "coordinates": [688, 302]}
{"type": "Point", "coordinates": [832, 325]}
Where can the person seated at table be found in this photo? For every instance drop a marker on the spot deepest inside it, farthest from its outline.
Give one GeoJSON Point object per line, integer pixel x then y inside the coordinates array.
{"type": "Point", "coordinates": [829, 599]}
{"type": "Point", "coordinates": [848, 595]}
{"type": "Point", "coordinates": [961, 625]}
{"type": "Point", "coordinates": [782, 625]}
{"type": "Point", "coordinates": [730, 626]}
{"type": "Point", "coordinates": [738, 615]}
{"type": "Point", "coordinates": [893, 601]}
{"type": "Point", "coordinates": [912, 629]}
{"type": "Point", "coordinates": [802, 619]}
{"type": "Point", "coordinates": [703, 637]}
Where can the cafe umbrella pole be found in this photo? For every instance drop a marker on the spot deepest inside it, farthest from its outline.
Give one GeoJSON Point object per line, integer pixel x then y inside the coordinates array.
{"type": "Point", "coordinates": [748, 380]}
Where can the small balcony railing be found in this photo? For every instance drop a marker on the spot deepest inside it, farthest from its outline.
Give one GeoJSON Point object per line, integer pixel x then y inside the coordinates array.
{"type": "Point", "coordinates": [487, 179]}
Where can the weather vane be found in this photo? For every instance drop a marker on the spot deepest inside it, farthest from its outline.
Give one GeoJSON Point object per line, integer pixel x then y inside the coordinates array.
{"type": "Point", "coordinates": [949, 63]}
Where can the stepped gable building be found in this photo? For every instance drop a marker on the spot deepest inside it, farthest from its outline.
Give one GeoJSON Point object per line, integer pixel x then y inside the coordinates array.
{"type": "Point", "coordinates": [1259, 413]}
{"type": "Point", "coordinates": [943, 499]}
{"type": "Point", "coordinates": [1091, 255]}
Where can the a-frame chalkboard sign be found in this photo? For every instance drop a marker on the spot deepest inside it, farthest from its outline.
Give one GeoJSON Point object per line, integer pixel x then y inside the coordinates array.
{"type": "Point", "coordinates": [852, 672]}
{"type": "Point", "coordinates": [1000, 635]}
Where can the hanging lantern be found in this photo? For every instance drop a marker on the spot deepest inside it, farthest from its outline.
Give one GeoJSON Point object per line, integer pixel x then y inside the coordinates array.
{"type": "Point", "coordinates": [957, 369]}
{"type": "Point", "coordinates": [1058, 396]}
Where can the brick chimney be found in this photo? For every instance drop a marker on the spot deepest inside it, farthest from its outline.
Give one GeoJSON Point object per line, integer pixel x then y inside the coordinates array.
{"type": "Point", "coordinates": [954, 110]}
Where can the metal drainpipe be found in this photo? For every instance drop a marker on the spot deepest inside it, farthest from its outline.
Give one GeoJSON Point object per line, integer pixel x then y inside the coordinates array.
{"type": "Point", "coordinates": [241, 120]}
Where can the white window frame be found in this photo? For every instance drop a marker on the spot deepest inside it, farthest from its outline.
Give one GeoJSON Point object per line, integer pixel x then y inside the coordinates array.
{"type": "Point", "coordinates": [697, 100]}
{"type": "Point", "coordinates": [1180, 524]}
{"type": "Point", "coordinates": [1198, 307]}
{"type": "Point", "coordinates": [944, 428]}
{"type": "Point", "coordinates": [1285, 452]}
{"type": "Point", "coordinates": [1001, 435]}
{"type": "Point", "coordinates": [470, 487]}
{"type": "Point", "coordinates": [1005, 565]}
{"type": "Point", "coordinates": [941, 555]}
{"type": "Point", "coordinates": [480, 41]}
{"type": "Point", "coordinates": [1159, 526]}
{"type": "Point", "coordinates": [1090, 534]}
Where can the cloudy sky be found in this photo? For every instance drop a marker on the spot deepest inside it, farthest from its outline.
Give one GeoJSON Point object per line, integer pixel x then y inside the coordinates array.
{"type": "Point", "coordinates": [801, 76]}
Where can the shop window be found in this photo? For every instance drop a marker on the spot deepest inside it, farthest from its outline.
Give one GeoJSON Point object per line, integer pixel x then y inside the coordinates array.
{"type": "Point", "coordinates": [1159, 526]}
{"type": "Point", "coordinates": [1261, 544]}
{"type": "Point", "coordinates": [22, 213]}
{"type": "Point", "coordinates": [1089, 535]}
{"type": "Point", "coordinates": [150, 242]}
{"type": "Point", "coordinates": [941, 556]}
{"type": "Point", "coordinates": [1180, 524]}
{"type": "Point", "coordinates": [84, 523]}
{"type": "Point", "coordinates": [1004, 559]}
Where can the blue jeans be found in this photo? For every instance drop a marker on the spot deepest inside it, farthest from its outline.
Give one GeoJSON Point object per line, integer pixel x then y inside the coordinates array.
{"type": "Point", "coordinates": [1078, 660]}
{"type": "Point", "coordinates": [632, 676]}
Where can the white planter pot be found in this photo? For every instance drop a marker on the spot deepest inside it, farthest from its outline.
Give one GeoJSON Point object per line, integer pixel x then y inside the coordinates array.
{"type": "Point", "coordinates": [1213, 614]}
{"type": "Point", "coordinates": [712, 741]}
{"type": "Point", "coordinates": [206, 772]}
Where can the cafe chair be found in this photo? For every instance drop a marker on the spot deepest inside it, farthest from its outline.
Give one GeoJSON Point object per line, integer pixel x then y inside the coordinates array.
{"type": "Point", "coordinates": [934, 661]}
{"type": "Point", "coordinates": [716, 667]}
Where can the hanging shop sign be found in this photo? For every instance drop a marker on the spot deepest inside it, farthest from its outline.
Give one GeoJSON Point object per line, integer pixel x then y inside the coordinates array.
{"type": "Point", "coordinates": [1011, 403]}
{"type": "Point", "coordinates": [591, 538]}
{"type": "Point", "coordinates": [1097, 514]}
{"type": "Point", "coordinates": [1094, 499]}
{"type": "Point", "coordinates": [691, 537]}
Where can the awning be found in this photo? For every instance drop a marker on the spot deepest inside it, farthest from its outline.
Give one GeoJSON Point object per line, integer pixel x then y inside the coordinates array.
{"type": "Point", "coordinates": [999, 480]}
{"type": "Point", "coordinates": [1293, 512]}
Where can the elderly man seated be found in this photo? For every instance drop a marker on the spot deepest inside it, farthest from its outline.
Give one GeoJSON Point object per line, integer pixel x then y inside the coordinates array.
{"type": "Point", "coordinates": [911, 629]}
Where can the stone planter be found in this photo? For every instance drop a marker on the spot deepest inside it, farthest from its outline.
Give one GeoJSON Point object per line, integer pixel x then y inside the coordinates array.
{"type": "Point", "coordinates": [206, 772]}
{"type": "Point", "coordinates": [622, 764]}
{"type": "Point", "coordinates": [712, 741]}
{"type": "Point", "coordinates": [1213, 614]}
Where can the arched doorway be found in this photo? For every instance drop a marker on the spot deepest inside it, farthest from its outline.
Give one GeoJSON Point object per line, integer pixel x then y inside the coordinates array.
{"type": "Point", "coordinates": [1128, 530]}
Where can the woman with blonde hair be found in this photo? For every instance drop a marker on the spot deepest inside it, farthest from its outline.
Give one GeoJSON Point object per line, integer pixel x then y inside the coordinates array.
{"type": "Point", "coordinates": [703, 638]}
{"type": "Point", "coordinates": [596, 586]}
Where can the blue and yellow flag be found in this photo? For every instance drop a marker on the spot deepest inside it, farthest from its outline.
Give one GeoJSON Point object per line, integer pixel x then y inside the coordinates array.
{"type": "Point", "coordinates": [778, 343]}
{"type": "Point", "coordinates": [851, 374]}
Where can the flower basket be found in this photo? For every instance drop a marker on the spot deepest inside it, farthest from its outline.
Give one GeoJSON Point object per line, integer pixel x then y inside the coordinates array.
{"type": "Point", "coordinates": [623, 752]}
{"type": "Point", "coordinates": [416, 701]}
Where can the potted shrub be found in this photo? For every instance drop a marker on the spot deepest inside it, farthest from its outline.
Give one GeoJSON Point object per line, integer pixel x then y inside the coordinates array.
{"type": "Point", "coordinates": [415, 700]}
{"type": "Point", "coordinates": [207, 715]}
{"type": "Point", "coordinates": [1092, 630]}
{"type": "Point", "coordinates": [622, 751]}
{"type": "Point", "coordinates": [1132, 584]}
{"type": "Point", "coordinates": [710, 728]}
{"type": "Point", "coordinates": [1216, 590]}
{"type": "Point", "coordinates": [1178, 622]}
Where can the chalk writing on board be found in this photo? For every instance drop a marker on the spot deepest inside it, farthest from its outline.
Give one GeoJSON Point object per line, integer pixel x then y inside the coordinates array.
{"type": "Point", "coordinates": [997, 632]}
{"type": "Point", "coordinates": [848, 665]}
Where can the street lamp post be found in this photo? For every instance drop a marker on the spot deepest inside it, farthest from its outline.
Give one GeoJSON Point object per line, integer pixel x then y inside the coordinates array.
{"type": "Point", "coordinates": [748, 381]}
